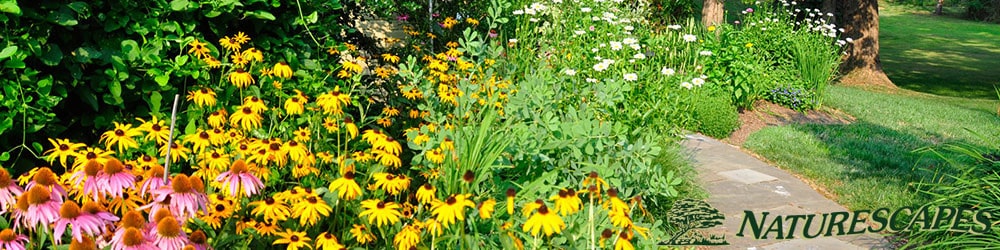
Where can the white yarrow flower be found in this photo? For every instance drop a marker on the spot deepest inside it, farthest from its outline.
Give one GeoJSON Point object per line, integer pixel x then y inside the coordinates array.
{"type": "Point", "coordinates": [698, 82]}
{"type": "Point", "coordinates": [687, 85]}
{"type": "Point", "coordinates": [690, 38]}
{"type": "Point", "coordinates": [667, 71]}
{"type": "Point", "coordinates": [631, 77]}
{"type": "Point", "coordinates": [569, 72]}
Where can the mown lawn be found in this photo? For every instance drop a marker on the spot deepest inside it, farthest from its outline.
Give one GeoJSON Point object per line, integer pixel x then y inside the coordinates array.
{"type": "Point", "coordinates": [942, 55]}
{"type": "Point", "coordinates": [871, 163]}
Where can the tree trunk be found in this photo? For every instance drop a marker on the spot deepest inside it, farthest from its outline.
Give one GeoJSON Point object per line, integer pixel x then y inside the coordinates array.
{"type": "Point", "coordinates": [861, 64]}
{"type": "Point", "coordinates": [830, 6]}
{"type": "Point", "coordinates": [711, 13]}
{"type": "Point", "coordinates": [940, 8]}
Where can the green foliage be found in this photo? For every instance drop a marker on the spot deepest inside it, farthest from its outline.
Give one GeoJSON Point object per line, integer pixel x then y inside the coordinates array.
{"type": "Point", "coordinates": [715, 116]}
{"type": "Point", "coordinates": [664, 12]}
{"type": "Point", "coordinates": [975, 185]}
{"type": "Point", "coordinates": [71, 68]}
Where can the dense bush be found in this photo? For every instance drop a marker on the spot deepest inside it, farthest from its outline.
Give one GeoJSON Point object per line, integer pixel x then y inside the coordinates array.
{"type": "Point", "coordinates": [72, 68]}
{"type": "Point", "coordinates": [715, 115]}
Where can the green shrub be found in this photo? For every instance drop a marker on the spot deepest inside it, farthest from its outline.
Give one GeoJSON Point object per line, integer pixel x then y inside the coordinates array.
{"type": "Point", "coordinates": [715, 115]}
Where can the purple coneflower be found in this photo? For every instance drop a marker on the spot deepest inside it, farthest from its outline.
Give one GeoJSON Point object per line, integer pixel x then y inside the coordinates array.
{"type": "Point", "coordinates": [81, 222]}
{"type": "Point", "coordinates": [9, 190]}
{"type": "Point", "coordinates": [99, 211]}
{"type": "Point", "coordinates": [169, 235]}
{"type": "Point", "coordinates": [88, 176]}
{"type": "Point", "coordinates": [238, 178]}
{"type": "Point", "coordinates": [130, 232]}
{"type": "Point", "coordinates": [114, 180]}
{"type": "Point", "coordinates": [153, 180]}
{"type": "Point", "coordinates": [12, 241]}
{"type": "Point", "coordinates": [43, 207]}
{"type": "Point", "coordinates": [45, 177]}
{"type": "Point", "coordinates": [185, 195]}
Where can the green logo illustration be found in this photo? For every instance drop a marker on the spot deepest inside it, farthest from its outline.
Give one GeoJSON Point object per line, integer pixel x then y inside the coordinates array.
{"type": "Point", "coordinates": [688, 216]}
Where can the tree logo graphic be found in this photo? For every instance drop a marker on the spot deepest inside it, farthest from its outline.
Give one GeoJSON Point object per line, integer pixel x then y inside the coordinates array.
{"type": "Point", "coordinates": [688, 216]}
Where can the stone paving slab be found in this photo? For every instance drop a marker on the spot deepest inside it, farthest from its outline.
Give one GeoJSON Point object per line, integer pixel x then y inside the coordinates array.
{"type": "Point", "coordinates": [737, 182]}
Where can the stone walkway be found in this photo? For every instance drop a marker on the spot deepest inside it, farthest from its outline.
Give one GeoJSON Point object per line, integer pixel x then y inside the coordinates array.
{"type": "Point", "coordinates": [737, 182]}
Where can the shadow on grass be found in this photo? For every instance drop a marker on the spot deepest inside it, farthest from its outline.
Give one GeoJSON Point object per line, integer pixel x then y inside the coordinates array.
{"type": "Point", "coordinates": [865, 165]}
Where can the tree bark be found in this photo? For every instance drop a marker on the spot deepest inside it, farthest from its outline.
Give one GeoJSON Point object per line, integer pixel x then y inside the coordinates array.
{"type": "Point", "coordinates": [861, 64]}
{"type": "Point", "coordinates": [939, 9]}
{"type": "Point", "coordinates": [711, 13]}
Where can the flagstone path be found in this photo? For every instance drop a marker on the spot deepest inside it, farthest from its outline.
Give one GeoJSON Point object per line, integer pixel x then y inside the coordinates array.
{"type": "Point", "coordinates": [737, 182]}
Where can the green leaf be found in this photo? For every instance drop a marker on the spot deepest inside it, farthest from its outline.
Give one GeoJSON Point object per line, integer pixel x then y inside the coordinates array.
{"type": "Point", "coordinates": [14, 63]}
{"type": "Point", "coordinates": [52, 55]}
{"type": "Point", "coordinates": [64, 17]}
{"type": "Point", "coordinates": [37, 146]}
{"type": "Point", "coordinates": [5, 155]}
{"type": "Point", "coordinates": [155, 101]}
{"type": "Point", "coordinates": [261, 14]}
{"type": "Point", "coordinates": [179, 5]}
{"type": "Point", "coordinates": [312, 18]}
{"type": "Point", "coordinates": [10, 6]}
{"type": "Point", "coordinates": [5, 125]}
{"type": "Point", "coordinates": [115, 88]}
{"type": "Point", "coordinates": [130, 48]}
{"type": "Point", "coordinates": [44, 86]}
{"type": "Point", "coordinates": [213, 13]}
{"type": "Point", "coordinates": [7, 52]}
{"type": "Point", "coordinates": [162, 80]}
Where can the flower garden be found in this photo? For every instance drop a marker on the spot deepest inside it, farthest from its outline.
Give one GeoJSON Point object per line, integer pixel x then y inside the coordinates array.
{"type": "Point", "coordinates": [508, 125]}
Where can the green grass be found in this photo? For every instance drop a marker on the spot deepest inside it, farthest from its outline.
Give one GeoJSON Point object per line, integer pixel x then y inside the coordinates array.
{"type": "Point", "coordinates": [942, 55]}
{"type": "Point", "coordinates": [870, 163]}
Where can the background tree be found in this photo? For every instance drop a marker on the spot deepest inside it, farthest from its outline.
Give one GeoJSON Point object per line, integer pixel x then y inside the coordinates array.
{"type": "Point", "coordinates": [712, 12]}
{"type": "Point", "coordinates": [861, 64]}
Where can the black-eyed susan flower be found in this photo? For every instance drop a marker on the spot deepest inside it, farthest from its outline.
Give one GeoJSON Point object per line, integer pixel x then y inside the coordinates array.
{"type": "Point", "coordinates": [122, 137]}
{"type": "Point", "coordinates": [361, 234]}
{"type": "Point", "coordinates": [346, 187]}
{"type": "Point", "coordinates": [614, 203]}
{"type": "Point", "coordinates": [255, 103]}
{"type": "Point", "coordinates": [293, 239]}
{"type": "Point", "coordinates": [351, 66]}
{"type": "Point", "coordinates": [390, 111]}
{"type": "Point", "coordinates": [62, 148]}
{"type": "Point", "coordinates": [282, 70]}
{"type": "Point", "coordinates": [295, 104]}
{"type": "Point", "coordinates": [352, 129]}
{"type": "Point", "coordinates": [331, 125]}
{"type": "Point", "coordinates": [230, 43]}
{"type": "Point", "coordinates": [594, 179]}
{"type": "Point", "coordinates": [390, 58]}
{"type": "Point", "coordinates": [240, 78]}
{"type": "Point", "coordinates": [217, 119]}
{"type": "Point", "coordinates": [510, 193]}
{"type": "Point", "coordinates": [198, 48]}
{"type": "Point", "coordinates": [238, 60]}
{"type": "Point", "coordinates": [303, 170]}
{"type": "Point", "coordinates": [198, 140]}
{"type": "Point", "coordinates": [328, 241]}
{"type": "Point", "coordinates": [253, 54]}
{"type": "Point", "coordinates": [273, 210]}
{"type": "Point", "coordinates": [266, 228]}
{"type": "Point", "coordinates": [544, 220]}
{"type": "Point", "coordinates": [407, 238]}
{"type": "Point", "coordinates": [567, 201]}
{"type": "Point", "coordinates": [302, 135]}
{"type": "Point", "coordinates": [486, 208]}
{"type": "Point", "coordinates": [333, 102]}
{"type": "Point", "coordinates": [624, 242]}
{"type": "Point", "coordinates": [412, 92]}
{"type": "Point", "coordinates": [155, 130]}
{"type": "Point", "coordinates": [129, 201]}
{"type": "Point", "coordinates": [245, 118]}
{"type": "Point", "coordinates": [380, 213]}
{"type": "Point", "coordinates": [427, 193]}
{"type": "Point", "coordinates": [212, 62]}
{"type": "Point", "coordinates": [310, 210]}
{"type": "Point", "coordinates": [435, 156]}
{"type": "Point", "coordinates": [387, 159]}
{"type": "Point", "coordinates": [204, 97]}
{"type": "Point", "coordinates": [361, 156]}
{"type": "Point", "coordinates": [451, 209]}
